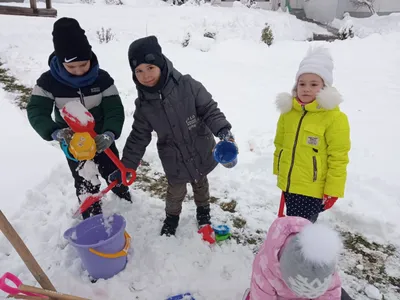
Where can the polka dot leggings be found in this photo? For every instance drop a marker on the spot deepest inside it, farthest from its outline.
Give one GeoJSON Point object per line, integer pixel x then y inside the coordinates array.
{"type": "Point", "coordinates": [303, 206]}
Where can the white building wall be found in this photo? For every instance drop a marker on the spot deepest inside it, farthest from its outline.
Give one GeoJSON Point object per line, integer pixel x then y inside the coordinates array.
{"type": "Point", "coordinates": [389, 5]}
{"type": "Point", "coordinates": [323, 11]}
{"type": "Point", "coordinates": [297, 4]}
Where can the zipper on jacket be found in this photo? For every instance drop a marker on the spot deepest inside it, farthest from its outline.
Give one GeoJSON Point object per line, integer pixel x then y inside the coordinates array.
{"type": "Point", "coordinates": [279, 158]}
{"type": "Point", "coordinates": [81, 97]}
{"type": "Point", "coordinates": [315, 168]}
{"type": "Point", "coordinates": [294, 149]}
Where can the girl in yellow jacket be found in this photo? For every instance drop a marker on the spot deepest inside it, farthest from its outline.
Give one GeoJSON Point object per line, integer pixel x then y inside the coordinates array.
{"type": "Point", "coordinates": [312, 139]}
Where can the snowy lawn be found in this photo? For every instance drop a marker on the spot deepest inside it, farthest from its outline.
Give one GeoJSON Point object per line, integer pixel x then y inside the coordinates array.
{"type": "Point", "coordinates": [244, 76]}
{"type": "Point", "coordinates": [364, 27]}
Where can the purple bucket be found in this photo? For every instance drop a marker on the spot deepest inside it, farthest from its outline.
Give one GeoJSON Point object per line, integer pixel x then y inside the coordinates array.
{"type": "Point", "coordinates": [102, 245]}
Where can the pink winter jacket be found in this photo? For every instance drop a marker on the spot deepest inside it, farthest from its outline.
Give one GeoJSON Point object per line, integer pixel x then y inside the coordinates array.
{"type": "Point", "coordinates": [266, 281]}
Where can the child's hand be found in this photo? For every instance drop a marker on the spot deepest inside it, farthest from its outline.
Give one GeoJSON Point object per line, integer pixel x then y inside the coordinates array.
{"type": "Point", "coordinates": [328, 201]}
{"type": "Point", "coordinates": [116, 175]}
{"type": "Point", "coordinates": [104, 141]}
{"type": "Point", "coordinates": [225, 135]}
{"type": "Point", "coordinates": [64, 134]}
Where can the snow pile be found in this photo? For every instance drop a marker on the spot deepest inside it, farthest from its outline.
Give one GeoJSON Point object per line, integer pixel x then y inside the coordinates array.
{"type": "Point", "coordinates": [372, 292]}
{"type": "Point", "coordinates": [364, 27]}
{"type": "Point", "coordinates": [25, 159]}
{"type": "Point", "coordinates": [153, 17]}
{"type": "Point", "coordinates": [244, 76]}
{"type": "Point", "coordinates": [132, 3]}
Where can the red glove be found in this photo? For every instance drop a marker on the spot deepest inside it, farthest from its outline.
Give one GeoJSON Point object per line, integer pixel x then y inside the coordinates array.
{"type": "Point", "coordinates": [328, 201]}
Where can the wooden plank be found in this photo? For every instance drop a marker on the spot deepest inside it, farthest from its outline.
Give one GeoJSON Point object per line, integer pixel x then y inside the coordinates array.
{"type": "Point", "coordinates": [48, 4]}
{"type": "Point", "coordinates": [44, 12]}
{"type": "Point", "coordinates": [20, 296]}
{"type": "Point", "coordinates": [12, 236]}
{"type": "Point", "coordinates": [53, 294]}
{"type": "Point", "coordinates": [26, 11]}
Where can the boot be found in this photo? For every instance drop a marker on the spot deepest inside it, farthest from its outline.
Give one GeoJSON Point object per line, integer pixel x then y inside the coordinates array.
{"type": "Point", "coordinates": [123, 193]}
{"type": "Point", "coordinates": [170, 224]}
{"type": "Point", "coordinates": [93, 210]}
{"type": "Point", "coordinates": [203, 215]}
{"type": "Point", "coordinates": [126, 196]}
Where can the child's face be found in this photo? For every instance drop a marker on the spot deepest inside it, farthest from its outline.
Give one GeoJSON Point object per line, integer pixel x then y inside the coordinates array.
{"type": "Point", "coordinates": [77, 68]}
{"type": "Point", "coordinates": [308, 87]}
{"type": "Point", "coordinates": [148, 75]}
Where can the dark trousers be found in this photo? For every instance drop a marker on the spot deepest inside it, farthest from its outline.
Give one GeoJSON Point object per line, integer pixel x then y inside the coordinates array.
{"type": "Point", "coordinates": [176, 193]}
{"type": "Point", "coordinates": [345, 296]}
{"type": "Point", "coordinates": [105, 167]}
{"type": "Point", "coordinates": [303, 206]}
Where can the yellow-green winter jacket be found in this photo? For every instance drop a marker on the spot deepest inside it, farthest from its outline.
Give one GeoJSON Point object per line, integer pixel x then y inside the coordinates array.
{"type": "Point", "coordinates": [312, 145]}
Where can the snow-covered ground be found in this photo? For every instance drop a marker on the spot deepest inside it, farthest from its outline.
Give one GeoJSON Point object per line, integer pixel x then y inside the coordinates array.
{"type": "Point", "coordinates": [375, 24]}
{"type": "Point", "coordinates": [244, 76]}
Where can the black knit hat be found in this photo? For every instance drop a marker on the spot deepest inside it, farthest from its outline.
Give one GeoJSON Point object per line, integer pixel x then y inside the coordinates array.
{"type": "Point", "coordinates": [145, 50]}
{"type": "Point", "coordinates": [70, 41]}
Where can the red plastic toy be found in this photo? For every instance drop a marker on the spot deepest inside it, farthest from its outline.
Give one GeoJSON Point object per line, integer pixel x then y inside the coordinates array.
{"type": "Point", "coordinates": [79, 119]}
{"type": "Point", "coordinates": [208, 233]}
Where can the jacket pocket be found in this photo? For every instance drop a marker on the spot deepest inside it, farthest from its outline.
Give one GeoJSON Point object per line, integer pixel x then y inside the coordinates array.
{"type": "Point", "coordinates": [203, 147]}
{"type": "Point", "coordinates": [315, 168]}
{"type": "Point", "coordinates": [202, 130]}
{"type": "Point", "coordinates": [313, 135]}
{"type": "Point", "coordinates": [279, 158]}
{"type": "Point", "coordinates": [168, 157]}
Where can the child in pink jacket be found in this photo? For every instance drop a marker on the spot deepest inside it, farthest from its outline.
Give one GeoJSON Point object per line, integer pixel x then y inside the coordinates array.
{"type": "Point", "coordinates": [296, 262]}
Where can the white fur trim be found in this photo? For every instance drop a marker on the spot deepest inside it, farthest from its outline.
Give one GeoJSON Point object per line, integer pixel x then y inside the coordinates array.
{"type": "Point", "coordinates": [320, 244]}
{"type": "Point", "coordinates": [284, 102]}
{"type": "Point", "coordinates": [329, 98]}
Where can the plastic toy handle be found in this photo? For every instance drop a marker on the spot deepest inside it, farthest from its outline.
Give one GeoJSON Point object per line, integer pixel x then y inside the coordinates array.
{"type": "Point", "coordinates": [124, 175]}
{"type": "Point", "coordinates": [121, 167]}
{"type": "Point", "coordinates": [281, 206]}
{"type": "Point", "coordinates": [181, 297]}
{"type": "Point", "coordinates": [14, 291]}
{"type": "Point", "coordinates": [9, 289]}
{"type": "Point", "coordinates": [123, 252]}
{"type": "Point", "coordinates": [93, 199]}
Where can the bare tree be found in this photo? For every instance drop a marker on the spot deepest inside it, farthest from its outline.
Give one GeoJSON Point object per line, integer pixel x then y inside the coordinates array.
{"type": "Point", "coordinates": [364, 3]}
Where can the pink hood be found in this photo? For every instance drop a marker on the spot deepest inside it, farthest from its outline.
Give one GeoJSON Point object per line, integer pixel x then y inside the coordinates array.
{"type": "Point", "coordinates": [266, 281]}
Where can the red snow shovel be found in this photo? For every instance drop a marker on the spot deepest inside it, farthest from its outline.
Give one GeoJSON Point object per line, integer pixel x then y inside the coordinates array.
{"type": "Point", "coordinates": [79, 119]}
{"type": "Point", "coordinates": [93, 199]}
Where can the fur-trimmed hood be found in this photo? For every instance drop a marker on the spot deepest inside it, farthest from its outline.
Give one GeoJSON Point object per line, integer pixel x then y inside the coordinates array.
{"type": "Point", "coordinates": [328, 98]}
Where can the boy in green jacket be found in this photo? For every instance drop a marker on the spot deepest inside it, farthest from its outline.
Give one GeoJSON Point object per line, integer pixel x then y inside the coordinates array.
{"type": "Point", "coordinates": [75, 75]}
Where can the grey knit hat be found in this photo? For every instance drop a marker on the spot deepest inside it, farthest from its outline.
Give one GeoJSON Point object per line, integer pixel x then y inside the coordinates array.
{"type": "Point", "coordinates": [308, 260]}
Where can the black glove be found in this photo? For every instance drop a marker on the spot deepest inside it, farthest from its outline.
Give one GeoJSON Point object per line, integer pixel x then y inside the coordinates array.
{"type": "Point", "coordinates": [64, 134]}
{"type": "Point", "coordinates": [225, 134]}
{"type": "Point", "coordinates": [103, 141]}
{"type": "Point", "coordinates": [116, 175]}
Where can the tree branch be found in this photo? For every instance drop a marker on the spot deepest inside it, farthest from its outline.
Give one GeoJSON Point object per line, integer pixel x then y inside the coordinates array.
{"type": "Point", "coordinates": [364, 3]}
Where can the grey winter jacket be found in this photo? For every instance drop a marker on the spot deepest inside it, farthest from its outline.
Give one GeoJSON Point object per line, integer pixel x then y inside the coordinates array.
{"type": "Point", "coordinates": [185, 117]}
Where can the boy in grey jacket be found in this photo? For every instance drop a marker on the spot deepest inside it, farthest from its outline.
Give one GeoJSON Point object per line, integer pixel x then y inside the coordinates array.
{"type": "Point", "coordinates": [185, 118]}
